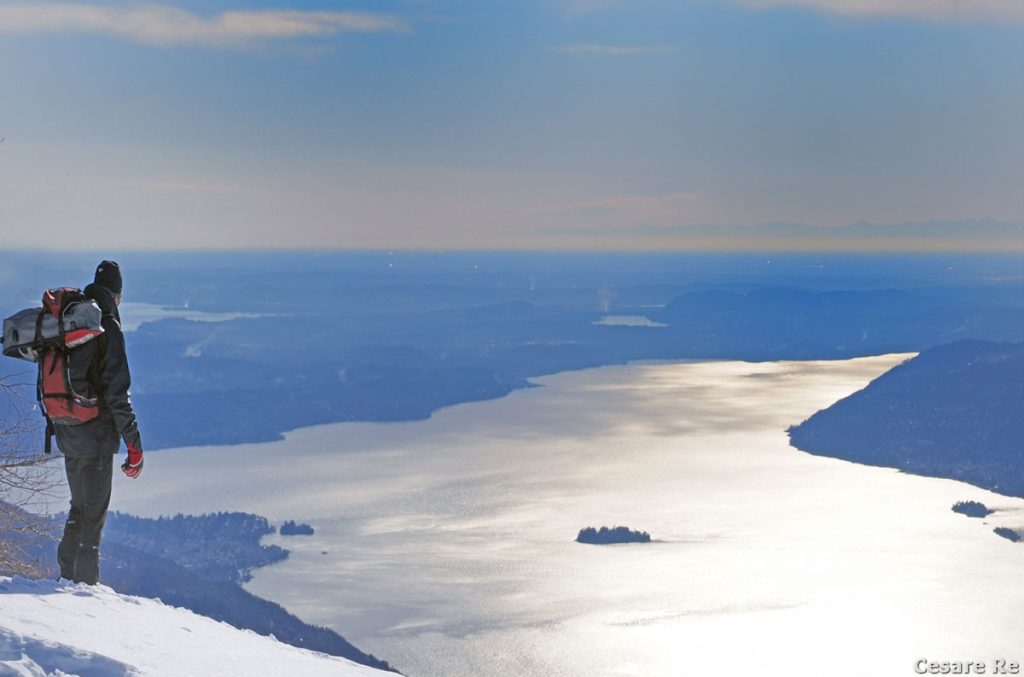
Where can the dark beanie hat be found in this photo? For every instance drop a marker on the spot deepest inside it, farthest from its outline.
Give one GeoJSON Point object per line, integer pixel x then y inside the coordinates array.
{"type": "Point", "coordinates": [108, 274]}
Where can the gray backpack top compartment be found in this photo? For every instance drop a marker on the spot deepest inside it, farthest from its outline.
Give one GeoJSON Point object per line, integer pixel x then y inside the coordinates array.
{"type": "Point", "coordinates": [29, 331]}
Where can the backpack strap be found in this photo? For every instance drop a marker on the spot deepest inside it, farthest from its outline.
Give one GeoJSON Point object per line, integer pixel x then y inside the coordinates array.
{"type": "Point", "coordinates": [48, 435]}
{"type": "Point", "coordinates": [38, 338]}
{"type": "Point", "coordinates": [48, 443]}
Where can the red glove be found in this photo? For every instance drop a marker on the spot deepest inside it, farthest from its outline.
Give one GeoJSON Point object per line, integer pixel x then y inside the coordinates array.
{"type": "Point", "coordinates": [133, 466]}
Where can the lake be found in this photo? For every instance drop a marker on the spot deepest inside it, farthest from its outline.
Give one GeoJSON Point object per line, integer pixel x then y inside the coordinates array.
{"type": "Point", "coordinates": [446, 546]}
{"type": "Point", "coordinates": [137, 313]}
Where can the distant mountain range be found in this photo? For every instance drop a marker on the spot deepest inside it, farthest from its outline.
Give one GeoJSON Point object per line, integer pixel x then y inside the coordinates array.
{"type": "Point", "coordinates": [954, 411]}
{"type": "Point", "coordinates": [785, 323]}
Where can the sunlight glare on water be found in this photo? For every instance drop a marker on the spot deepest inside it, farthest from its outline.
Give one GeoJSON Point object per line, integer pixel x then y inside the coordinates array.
{"type": "Point", "coordinates": [447, 546]}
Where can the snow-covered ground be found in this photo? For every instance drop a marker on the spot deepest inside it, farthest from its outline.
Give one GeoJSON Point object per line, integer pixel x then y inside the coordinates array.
{"type": "Point", "coordinates": [49, 628]}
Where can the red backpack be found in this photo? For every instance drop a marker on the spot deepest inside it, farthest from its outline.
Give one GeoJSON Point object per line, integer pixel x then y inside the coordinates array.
{"type": "Point", "coordinates": [50, 336]}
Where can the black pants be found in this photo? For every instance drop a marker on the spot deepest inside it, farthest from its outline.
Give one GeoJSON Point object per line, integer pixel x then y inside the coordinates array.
{"type": "Point", "coordinates": [89, 479]}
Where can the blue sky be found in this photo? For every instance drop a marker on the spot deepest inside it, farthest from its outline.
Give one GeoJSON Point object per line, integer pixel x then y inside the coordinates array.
{"type": "Point", "coordinates": [536, 124]}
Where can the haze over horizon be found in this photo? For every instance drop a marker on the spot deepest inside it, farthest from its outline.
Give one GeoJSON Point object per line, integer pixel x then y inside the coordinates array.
{"type": "Point", "coordinates": [700, 125]}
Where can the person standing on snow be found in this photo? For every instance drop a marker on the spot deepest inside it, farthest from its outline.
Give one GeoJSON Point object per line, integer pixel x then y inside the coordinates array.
{"type": "Point", "coordinates": [89, 448]}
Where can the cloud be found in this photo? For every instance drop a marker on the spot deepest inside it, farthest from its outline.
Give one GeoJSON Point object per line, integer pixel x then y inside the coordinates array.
{"type": "Point", "coordinates": [642, 203]}
{"type": "Point", "coordinates": [179, 186]}
{"type": "Point", "coordinates": [928, 10]}
{"type": "Point", "coordinates": [922, 10]}
{"type": "Point", "coordinates": [164, 25]}
{"type": "Point", "coordinates": [614, 50]}
{"type": "Point", "coordinates": [576, 7]}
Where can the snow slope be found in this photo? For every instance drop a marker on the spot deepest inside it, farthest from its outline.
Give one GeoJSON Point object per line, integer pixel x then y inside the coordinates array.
{"type": "Point", "coordinates": [50, 628]}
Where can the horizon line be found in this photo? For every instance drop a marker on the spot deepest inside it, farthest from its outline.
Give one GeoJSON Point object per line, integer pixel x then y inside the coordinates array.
{"type": "Point", "coordinates": [1016, 250]}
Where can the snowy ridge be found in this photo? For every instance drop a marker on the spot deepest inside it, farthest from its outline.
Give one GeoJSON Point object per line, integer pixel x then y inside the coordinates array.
{"type": "Point", "coordinates": [50, 628]}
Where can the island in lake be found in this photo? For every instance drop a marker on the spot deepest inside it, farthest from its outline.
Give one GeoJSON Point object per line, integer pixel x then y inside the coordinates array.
{"type": "Point", "coordinates": [290, 528]}
{"type": "Point", "coordinates": [971, 509]}
{"type": "Point", "coordinates": [606, 536]}
{"type": "Point", "coordinates": [1009, 534]}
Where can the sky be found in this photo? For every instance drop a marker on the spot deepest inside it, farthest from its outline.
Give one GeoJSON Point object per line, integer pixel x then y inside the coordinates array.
{"type": "Point", "coordinates": [880, 125]}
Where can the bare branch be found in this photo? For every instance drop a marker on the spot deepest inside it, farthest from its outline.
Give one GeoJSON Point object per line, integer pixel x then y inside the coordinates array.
{"type": "Point", "coordinates": [29, 481]}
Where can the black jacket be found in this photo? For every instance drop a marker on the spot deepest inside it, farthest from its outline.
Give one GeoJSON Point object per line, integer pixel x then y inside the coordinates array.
{"type": "Point", "coordinates": [99, 369]}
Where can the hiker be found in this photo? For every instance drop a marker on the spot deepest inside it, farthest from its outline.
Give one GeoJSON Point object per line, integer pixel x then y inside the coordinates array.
{"type": "Point", "coordinates": [89, 448]}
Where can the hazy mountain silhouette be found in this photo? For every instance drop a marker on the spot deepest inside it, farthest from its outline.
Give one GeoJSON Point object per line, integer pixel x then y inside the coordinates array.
{"type": "Point", "coordinates": [375, 337]}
